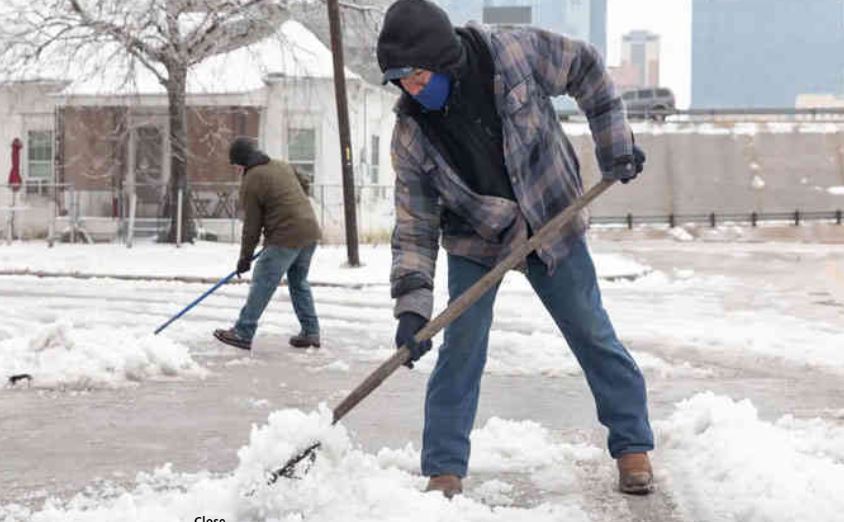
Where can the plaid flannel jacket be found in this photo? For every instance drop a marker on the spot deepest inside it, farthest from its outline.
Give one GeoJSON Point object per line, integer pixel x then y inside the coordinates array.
{"type": "Point", "coordinates": [530, 66]}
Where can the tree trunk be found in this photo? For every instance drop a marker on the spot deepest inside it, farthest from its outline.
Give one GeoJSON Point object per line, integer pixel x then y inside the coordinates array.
{"type": "Point", "coordinates": [177, 99]}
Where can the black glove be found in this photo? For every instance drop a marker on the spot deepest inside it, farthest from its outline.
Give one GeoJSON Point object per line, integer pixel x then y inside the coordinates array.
{"type": "Point", "coordinates": [627, 168]}
{"type": "Point", "coordinates": [243, 265]}
{"type": "Point", "coordinates": [409, 324]}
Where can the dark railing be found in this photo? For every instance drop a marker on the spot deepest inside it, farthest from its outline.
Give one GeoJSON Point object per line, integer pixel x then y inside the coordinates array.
{"type": "Point", "coordinates": [712, 219]}
{"type": "Point", "coordinates": [825, 114]}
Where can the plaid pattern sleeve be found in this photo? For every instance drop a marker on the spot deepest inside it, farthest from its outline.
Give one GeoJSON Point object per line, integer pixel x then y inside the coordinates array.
{"type": "Point", "coordinates": [415, 239]}
{"type": "Point", "coordinates": [564, 65]}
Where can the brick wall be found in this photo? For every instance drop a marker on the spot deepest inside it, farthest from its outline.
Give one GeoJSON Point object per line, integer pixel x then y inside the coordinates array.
{"type": "Point", "coordinates": [92, 147]}
{"type": "Point", "coordinates": [210, 131]}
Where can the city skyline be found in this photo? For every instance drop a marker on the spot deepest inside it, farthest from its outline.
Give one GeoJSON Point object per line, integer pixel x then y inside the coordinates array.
{"type": "Point", "coordinates": [671, 20]}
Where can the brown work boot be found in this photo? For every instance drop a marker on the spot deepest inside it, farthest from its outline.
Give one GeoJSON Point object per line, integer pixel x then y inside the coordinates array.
{"type": "Point", "coordinates": [231, 338]}
{"type": "Point", "coordinates": [303, 340]}
{"type": "Point", "coordinates": [449, 485]}
{"type": "Point", "coordinates": [634, 474]}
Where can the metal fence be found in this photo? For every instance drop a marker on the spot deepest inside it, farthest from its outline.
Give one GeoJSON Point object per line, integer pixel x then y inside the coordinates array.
{"type": "Point", "coordinates": [374, 205]}
{"type": "Point", "coordinates": [64, 212]}
{"type": "Point", "coordinates": [762, 114]}
{"type": "Point", "coordinates": [714, 219]}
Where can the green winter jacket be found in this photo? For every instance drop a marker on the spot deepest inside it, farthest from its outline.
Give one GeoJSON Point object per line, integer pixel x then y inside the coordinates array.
{"type": "Point", "coordinates": [274, 202]}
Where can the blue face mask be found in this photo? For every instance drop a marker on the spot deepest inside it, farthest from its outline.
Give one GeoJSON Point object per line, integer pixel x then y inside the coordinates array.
{"type": "Point", "coordinates": [435, 93]}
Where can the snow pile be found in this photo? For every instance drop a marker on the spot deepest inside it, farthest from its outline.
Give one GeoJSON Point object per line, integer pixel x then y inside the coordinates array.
{"type": "Point", "coordinates": [495, 492]}
{"type": "Point", "coordinates": [343, 483]}
{"type": "Point", "coordinates": [723, 463]}
{"type": "Point", "coordinates": [614, 266]}
{"type": "Point", "coordinates": [680, 234]}
{"type": "Point", "coordinates": [504, 447]}
{"type": "Point", "coordinates": [60, 354]}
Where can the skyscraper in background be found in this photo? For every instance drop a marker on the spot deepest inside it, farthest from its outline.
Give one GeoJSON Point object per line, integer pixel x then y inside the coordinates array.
{"type": "Point", "coordinates": [641, 50]}
{"type": "Point", "coordinates": [765, 53]}
{"type": "Point", "coordinates": [582, 19]}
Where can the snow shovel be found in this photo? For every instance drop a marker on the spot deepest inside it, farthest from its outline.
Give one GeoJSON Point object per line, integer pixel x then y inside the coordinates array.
{"type": "Point", "coordinates": [452, 312]}
{"type": "Point", "coordinates": [208, 292]}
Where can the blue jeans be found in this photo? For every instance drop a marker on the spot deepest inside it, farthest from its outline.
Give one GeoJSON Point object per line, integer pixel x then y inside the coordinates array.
{"type": "Point", "coordinates": [572, 297]}
{"type": "Point", "coordinates": [274, 262]}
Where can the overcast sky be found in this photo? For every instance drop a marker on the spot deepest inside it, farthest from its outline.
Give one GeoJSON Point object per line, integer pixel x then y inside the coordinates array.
{"type": "Point", "coordinates": [672, 21]}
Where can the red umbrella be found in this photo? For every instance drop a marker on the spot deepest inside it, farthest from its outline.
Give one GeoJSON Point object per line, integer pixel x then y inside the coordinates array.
{"type": "Point", "coordinates": [15, 174]}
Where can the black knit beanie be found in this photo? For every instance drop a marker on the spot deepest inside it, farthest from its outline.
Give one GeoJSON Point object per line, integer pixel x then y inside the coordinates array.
{"type": "Point", "coordinates": [241, 151]}
{"type": "Point", "coordinates": [418, 33]}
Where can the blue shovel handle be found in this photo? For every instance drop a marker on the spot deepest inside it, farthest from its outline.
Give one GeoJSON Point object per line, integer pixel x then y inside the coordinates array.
{"type": "Point", "coordinates": [199, 299]}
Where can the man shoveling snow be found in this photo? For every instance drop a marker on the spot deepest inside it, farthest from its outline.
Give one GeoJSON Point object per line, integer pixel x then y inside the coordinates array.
{"type": "Point", "coordinates": [480, 157]}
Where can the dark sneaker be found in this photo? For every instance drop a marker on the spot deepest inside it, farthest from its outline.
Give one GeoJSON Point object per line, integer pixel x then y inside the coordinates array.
{"type": "Point", "coordinates": [448, 485]}
{"type": "Point", "coordinates": [231, 338]}
{"type": "Point", "coordinates": [305, 341]}
{"type": "Point", "coordinates": [635, 476]}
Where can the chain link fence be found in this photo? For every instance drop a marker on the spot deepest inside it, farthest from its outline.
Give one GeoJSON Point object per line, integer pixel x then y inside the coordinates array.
{"type": "Point", "coordinates": [143, 211]}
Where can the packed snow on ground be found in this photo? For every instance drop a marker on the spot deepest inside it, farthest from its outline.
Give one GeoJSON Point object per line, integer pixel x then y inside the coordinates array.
{"type": "Point", "coordinates": [717, 458]}
{"type": "Point", "coordinates": [215, 260]}
{"type": "Point", "coordinates": [681, 127]}
{"type": "Point", "coordinates": [344, 483]}
{"type": "Point", "coordinates": [109, 319]}
{"type": "Point", "coordinates": [98, 330]}
{"type": "Point", "coordinates": [686, 310]}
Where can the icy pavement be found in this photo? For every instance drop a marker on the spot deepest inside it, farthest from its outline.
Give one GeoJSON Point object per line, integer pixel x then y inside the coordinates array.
{"type": "Point", "coordinates": [741, 344]}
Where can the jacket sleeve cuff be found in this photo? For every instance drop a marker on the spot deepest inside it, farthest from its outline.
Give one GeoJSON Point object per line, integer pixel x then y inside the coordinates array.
{"type": "Point", "coordinates": [419, 301]}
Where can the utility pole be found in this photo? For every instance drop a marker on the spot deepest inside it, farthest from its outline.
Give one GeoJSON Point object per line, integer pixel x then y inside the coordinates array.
{"type": "Point", "coordinates": [345, 140]}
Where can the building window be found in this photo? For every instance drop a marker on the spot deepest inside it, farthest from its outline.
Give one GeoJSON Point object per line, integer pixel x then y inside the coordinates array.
{"type": "Point", "coordinates": [374, 155]}
{"type": "Point", "coordinates": [39, 156]}
{"type": "Point", "coordinates": [301, 150]}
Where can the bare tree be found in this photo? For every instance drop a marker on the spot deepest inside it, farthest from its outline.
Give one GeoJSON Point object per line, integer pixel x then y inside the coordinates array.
{"type": "Point", "coordinates": [167, 37]}
{"type": "Point", "coordinates": [361, 22]}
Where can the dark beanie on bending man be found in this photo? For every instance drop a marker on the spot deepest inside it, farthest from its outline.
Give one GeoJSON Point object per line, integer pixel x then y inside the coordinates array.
{"type": "Point", "coordinates": [244, 152]}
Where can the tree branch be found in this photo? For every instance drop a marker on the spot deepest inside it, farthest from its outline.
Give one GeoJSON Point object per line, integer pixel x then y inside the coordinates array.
{"type": "Point", "coordinates": [244, 24]}
{"type": "Point", "coordinates": [120, 34]}
{"type": "Point", "coordinates": [133, 45]}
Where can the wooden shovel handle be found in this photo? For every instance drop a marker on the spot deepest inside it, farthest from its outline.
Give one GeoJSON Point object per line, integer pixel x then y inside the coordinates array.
{"type": "Point", "coordinates": [468, 298]}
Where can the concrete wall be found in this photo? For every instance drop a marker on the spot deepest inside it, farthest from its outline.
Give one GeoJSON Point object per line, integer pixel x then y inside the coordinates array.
{"type": "Point", "coordinates": [726, 168]}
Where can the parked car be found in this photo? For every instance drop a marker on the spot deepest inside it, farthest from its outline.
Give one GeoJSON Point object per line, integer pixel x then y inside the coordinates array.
{"type": "Point", "coordinates": [649, 103]}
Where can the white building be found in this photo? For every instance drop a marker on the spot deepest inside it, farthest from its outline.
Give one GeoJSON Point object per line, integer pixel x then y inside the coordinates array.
{"type": "Point", "coordinates": [106, 132]}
